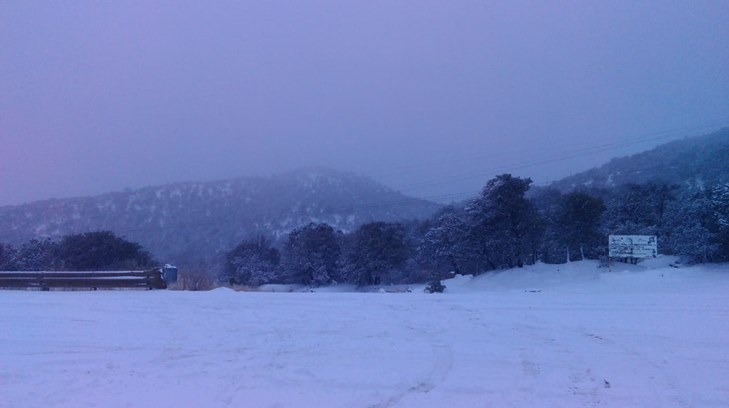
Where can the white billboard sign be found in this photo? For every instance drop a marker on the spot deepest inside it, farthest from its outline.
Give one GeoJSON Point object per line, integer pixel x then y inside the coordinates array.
{"type": "Point", "coordinates": [633, 246]}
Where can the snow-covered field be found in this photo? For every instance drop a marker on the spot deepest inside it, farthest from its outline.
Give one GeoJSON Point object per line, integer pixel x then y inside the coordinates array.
{"type": "Point", "coordinates": [543, 336]}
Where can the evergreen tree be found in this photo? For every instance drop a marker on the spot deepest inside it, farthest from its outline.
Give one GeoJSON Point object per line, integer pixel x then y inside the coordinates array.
{"type": "Point", "coordinates": [377, 250]}
{"type": "Point", "coordinates": [448, 246]}
{"type": "Point", "coordinates": [253, 262]}
{"type": "Point", "coordinates": [720, 204]}
{"type": "Point", "coordinates": [37, 255]}
{"type": "Point", "coordinates": [638, 209]}
{"type": "Point", "coordinates": [504, 223]}
{"type": "Point", "coordinates": [311, 255]}
{"type": "Point", "coordinates": [547, 202]}
{"type": "Point", "coordinates": [101, 250]}
{"type": "Point", "coordinates": [8, 256]}
{"type": "Point", "coordinates": [577, 224]}
{"type": "Point", "coordinates": [412, 271]}
{"type": "Point", "coordinates": [720, 218]}
{"type": "Point", "coordinates": [685, 233]}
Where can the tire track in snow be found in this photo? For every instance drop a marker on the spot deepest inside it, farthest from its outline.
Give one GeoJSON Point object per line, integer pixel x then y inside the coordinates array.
{"type": "Point", "coordinates": [433, 378]}
{"type": "Point", "coordinates": [653, 367]}
{"type": "Point", "coordinates": [582, 383]}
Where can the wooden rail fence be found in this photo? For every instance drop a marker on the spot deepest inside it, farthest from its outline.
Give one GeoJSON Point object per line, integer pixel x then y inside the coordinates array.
{"type": "Point", "coordinates": [90, 280]}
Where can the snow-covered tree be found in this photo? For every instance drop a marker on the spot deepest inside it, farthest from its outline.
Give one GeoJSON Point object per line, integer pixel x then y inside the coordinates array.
{"type": "Point", "coordinates": [311, 255]}
{"type": "Point", "coordinates": [448, 246]}
{"type": "Point", "coordinates": [376, 250]}
{"type": "Point", "coordinates": [547, 201]}
{"type": "Point", "coordinates": [504, 223]}
{"type": "Point", "coordinates": [577, 223]}
{"type": "Point", "coordinates": [688, 228]}
{"type": "Point", "coordinates": [638, 209]}
{"type": "Point", "coordinates": [720, 208]}
{"type": "Point", "coordinates": [8, 256]}
{"type": "Point", "coordinates": [37, 255]}
{"type": "Point", "coordinates": [253, 262]}
{"type": "Point", "coordinates": [101, 250]}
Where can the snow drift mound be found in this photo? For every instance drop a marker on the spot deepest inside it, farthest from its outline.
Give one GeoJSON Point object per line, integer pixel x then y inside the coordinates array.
{"type": "Point", "coordinates": [586, 276]}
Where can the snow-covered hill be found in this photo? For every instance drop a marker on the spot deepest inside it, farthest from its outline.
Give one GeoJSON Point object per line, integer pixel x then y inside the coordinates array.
{"type": "Point", "coordinates": [545, 336]}
{"type": "Point", "coordinates": [701, 161]}
{"type": "Point", "coordinates": [191, 223]}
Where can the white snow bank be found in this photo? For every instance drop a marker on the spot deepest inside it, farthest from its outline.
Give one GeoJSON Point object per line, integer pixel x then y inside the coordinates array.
{"type": "Point", "coordinates": [659, 274]}
{"type": "Point", "coordinates": [530, 277]}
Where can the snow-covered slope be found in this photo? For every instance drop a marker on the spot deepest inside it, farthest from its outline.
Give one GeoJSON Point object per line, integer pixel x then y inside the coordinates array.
{"type": "Point", "coordinates": [545, 336]}
{"type": "Point", "coordinates": [191, 223]}
{"type": "Point", "coordinates": [692, 162]}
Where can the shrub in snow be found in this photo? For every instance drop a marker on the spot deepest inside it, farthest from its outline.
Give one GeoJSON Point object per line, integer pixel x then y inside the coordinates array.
{"type": "Point", "coordinates": [195, 281]}
{"type": "Point", "coordinates": [435, 287]}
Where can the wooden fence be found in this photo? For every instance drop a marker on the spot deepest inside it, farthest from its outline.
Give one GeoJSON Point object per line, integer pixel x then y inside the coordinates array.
{"type": "Point", "coordinates": [83, 280]}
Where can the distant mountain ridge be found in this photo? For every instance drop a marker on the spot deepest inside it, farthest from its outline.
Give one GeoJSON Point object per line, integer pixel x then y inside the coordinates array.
{"type": "Point", "coordinates": [693, 162]}
{"type": "Point", "coordinates": [192, 223]}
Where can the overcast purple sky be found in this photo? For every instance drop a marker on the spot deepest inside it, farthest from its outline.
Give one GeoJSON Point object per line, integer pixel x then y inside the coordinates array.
{"type": "Point", "coordinates": [431, 98]}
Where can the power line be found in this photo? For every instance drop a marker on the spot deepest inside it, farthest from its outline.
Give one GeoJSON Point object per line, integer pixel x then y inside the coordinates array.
{"type": "Point", "coordinates": [489, 172]}
{"type": "Point", "coordinates": [407, 169]}
{"type": "Point", "coordinates": [452, 197]}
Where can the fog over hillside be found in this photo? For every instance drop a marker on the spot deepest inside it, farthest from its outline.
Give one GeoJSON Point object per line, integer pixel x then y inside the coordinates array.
{"type": "Point", "coordinates": [693, 162]}
{"type": "Point", "coordinates": [193, 222]}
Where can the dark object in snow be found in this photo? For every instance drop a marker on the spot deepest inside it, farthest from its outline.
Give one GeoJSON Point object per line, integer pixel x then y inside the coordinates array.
{"type": "Point", "coordinates": [45, 280]}
{"type": "Point", "coordinates": [533, 290]}
{"type": "Point", "coordinates": [169, 273]}
{"type": "Point", "coordinates": [435, 287]}
{"type": "Point", "coordinates": [607, 383]}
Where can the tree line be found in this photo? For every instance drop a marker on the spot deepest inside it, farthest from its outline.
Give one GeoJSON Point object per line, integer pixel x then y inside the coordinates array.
{"type": "Point", "coordinates": [90, 251]}
{"type": "Point", "coordinates": [503, 227]}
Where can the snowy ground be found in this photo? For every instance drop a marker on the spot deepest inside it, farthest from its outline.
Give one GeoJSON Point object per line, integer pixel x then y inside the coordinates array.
{"type": "Point", "coordinates": [544, 336]}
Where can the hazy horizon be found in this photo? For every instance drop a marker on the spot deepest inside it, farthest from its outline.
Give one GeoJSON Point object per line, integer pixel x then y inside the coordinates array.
{"type": "Point", "coordinates": [431, 100]}
{"type": "Point", "coordinates": [520, 169]}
